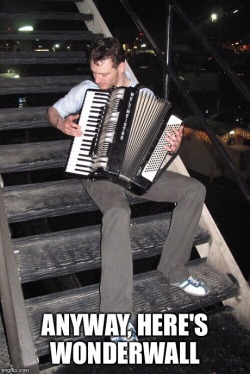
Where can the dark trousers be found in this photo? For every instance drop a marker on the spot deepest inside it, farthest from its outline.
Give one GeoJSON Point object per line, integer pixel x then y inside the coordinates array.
{"type": "Point", "coordinates": [117, 267]}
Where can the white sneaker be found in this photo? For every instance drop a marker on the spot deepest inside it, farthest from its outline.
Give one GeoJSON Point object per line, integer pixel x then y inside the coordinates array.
{"type": "Point", "coordinates": [132, 337]}
{"type": "Point", "coordinates": [193, 287]}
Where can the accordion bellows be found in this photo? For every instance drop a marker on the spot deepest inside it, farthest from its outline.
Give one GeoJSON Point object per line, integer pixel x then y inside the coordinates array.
{"type": "Point", "coordinates": [124, 131]}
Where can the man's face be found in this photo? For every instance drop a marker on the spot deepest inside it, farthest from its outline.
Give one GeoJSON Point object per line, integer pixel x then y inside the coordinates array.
{"type": "Point", "coordinates": [105, 75]}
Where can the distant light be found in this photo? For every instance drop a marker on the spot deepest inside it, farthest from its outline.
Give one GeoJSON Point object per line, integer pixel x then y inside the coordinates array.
{"type": "Point", "coordinates": [214, 17]}
{"type": "Point", "coordinates": [41, 50]}
{"type": "Point", "coordinates": [235, 11]}
{"type": "Point", "coordinates": [143, 45]}
{"type": "Point", "coordinates": [26, 28]}
{"type": "Point", "coordinates": [10, 74]}
{"type": "Point", "coordinates": [57, 46]}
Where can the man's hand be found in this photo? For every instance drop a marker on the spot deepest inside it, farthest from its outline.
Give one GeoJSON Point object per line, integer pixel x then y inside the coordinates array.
{"type": "Point", "coordinates": [174, 140]}
{"type": "Point", "coordinates": [68, 126]}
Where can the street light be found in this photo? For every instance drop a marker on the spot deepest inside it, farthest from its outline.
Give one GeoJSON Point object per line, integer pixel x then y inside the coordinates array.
{"type": "Point", "coordinates": [214, 17]}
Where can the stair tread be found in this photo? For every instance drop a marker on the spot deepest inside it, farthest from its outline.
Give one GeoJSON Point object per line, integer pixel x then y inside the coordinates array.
{"type": "Point", "coordinates": [20, 58]}
{"type": "Point", "coordinates": [26, 117]}
{"type": "Point", "coordinates": [41, 84]}
{"type": "Point", "coordinates": [48, 199]}
{"type": "Point", "coordinates": [24, 114]}
{"type": "Point", "coordinates": [152, 294]}
{"type": "Point", "coordinates": [40, 155]}
{"type": "Point", "coordinates": [46, 16]}
{"type": "Point", "coordinates": [70, 251]}
{"type": "Point", "coordinates": [50, 35]}
{"type": "Point", "coordinates": [37, 200]}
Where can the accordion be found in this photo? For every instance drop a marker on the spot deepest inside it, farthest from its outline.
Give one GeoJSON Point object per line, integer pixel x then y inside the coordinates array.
{"type": "Point", "coordinates": [124, 131]}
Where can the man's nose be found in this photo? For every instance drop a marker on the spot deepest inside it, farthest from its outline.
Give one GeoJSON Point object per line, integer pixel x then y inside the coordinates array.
{"type": "Point", "coordinates": [97, 79]}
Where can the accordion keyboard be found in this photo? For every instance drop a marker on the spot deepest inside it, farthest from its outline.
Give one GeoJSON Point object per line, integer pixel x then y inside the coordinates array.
{"type": "Point", "coordinates": [80, 159]}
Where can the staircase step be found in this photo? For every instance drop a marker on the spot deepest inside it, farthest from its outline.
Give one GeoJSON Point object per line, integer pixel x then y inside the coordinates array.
{"type": "Point", "coordinates": [64, 16]}
{"type": "Point", "coordinates": [152, 294]}
{"type": "Point", "coordinates": [30, 58]}
{"type": "Point", "coordinates": [49, 199]}
{"type": "Point", "coordinates": [50, 35]}
{"type": "Point", "coordinates": [40, 84]}
{"type": "Point", "coordinates": [34, 156]}
{"type": "Point", "coordinates": [23, 118]}
{"type": "Point", "coordinates": [70, 251]}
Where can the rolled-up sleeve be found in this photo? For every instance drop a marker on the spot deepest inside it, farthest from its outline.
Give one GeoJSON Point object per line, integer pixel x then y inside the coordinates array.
{"type": "Point", "coordinates": [72, 101]}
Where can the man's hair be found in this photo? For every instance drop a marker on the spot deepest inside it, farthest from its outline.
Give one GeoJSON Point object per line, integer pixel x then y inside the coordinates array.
{"type": "Point", "coordinates": [104, 48]}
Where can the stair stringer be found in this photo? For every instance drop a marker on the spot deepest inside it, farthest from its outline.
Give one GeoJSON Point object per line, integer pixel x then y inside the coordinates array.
{"type": "Point", "coordinates": [97, 25]}
{"type": "Point", "coordinates": [220, 257]}
{"type": "Point", "coordinates": [22, 352]}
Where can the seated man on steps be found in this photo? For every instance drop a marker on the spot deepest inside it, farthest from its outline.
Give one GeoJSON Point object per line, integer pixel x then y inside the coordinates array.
{"type": "Point", "coordinates": [107, 63]}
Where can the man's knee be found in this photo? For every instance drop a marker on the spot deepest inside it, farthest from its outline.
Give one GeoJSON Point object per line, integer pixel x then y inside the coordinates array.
{"type": "Point", "coordinates": [195, 190]}
{"type": "Point", "coordinates": [119, 212]}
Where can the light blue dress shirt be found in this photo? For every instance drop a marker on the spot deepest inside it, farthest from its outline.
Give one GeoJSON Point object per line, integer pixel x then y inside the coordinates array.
{"type": "Point", "coordinates": [72, 101]}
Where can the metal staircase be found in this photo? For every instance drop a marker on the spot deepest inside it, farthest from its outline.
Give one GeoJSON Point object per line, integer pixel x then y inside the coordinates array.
{"type": "Point", "coordinates": [36, 193]}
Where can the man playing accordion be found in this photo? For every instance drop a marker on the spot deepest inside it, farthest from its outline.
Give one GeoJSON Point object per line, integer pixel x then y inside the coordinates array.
{"type": "Point", "coordinates": [107, 63]}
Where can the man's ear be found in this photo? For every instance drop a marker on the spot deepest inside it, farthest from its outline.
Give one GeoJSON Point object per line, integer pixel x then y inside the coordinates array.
{"type": "Point", "coordinates": [121, 67]}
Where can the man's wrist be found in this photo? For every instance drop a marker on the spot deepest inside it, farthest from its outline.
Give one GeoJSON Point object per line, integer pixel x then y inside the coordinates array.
{"type": "Point", "coordinates": [59, 123]}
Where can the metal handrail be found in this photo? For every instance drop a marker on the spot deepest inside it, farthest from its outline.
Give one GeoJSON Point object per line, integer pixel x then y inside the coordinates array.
{"type": "Point", "coordinates": [190, 101]}
{"type": "Point", "coordinates": [243, 89]}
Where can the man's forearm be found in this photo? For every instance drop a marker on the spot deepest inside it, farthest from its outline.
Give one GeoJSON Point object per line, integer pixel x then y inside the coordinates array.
{"type": "Point", "coordinates": [54, 117]}
{"type": "Point", "coordinates": [67, 125]}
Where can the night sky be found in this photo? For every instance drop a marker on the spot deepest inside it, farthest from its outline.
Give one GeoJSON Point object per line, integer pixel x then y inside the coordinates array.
{"type": "Point", "coordinates": [151, 13]}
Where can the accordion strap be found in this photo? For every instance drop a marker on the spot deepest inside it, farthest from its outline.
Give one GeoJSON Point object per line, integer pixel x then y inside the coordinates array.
{"type": "Point", "coordinates": [139, 86]}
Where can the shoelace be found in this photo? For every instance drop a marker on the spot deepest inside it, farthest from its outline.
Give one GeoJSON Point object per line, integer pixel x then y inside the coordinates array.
{"type": "Point", "coordinates": [194, 282]}
{"type": "Point", "coordinates": [131, 329]}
